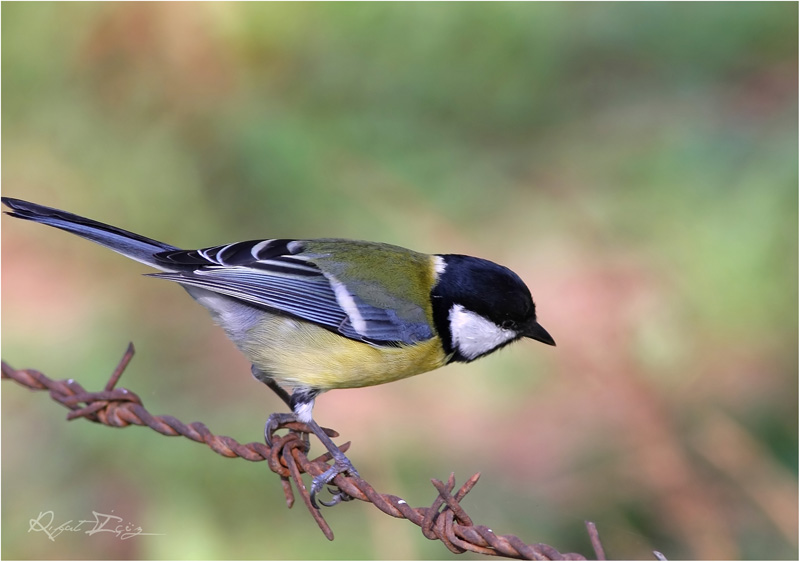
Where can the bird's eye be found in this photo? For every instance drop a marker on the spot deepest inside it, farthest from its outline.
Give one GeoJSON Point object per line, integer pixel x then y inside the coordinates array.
{"type": "Point", "coordinates": [508, 325]}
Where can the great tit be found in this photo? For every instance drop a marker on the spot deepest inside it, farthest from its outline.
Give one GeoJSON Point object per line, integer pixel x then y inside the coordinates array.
{"type": "Point", "coordinates": [314, 315]}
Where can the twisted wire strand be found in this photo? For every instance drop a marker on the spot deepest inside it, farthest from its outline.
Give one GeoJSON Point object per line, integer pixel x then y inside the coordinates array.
{"type": "Point", "coordinates": [444, 520]}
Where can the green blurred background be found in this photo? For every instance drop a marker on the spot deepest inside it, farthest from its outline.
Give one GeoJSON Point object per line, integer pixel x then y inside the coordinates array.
{"type": "Point", "coordinates": [635, 163]}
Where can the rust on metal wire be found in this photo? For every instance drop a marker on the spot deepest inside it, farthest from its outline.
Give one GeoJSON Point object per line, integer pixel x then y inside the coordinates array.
{"type": "Point", "coordinates": [444, 520]}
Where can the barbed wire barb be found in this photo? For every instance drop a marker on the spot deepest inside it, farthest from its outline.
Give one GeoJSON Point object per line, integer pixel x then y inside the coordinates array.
{"type": "Point", "coordinates": [445, 520]}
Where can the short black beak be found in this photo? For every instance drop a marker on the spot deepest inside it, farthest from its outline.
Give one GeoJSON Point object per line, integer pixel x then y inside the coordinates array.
{"type": "Point", "coordinates": [536, 332]}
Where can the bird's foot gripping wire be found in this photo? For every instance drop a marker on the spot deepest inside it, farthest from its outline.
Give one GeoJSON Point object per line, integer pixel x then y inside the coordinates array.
{"type": "Point", "coordinates": [341, 463]}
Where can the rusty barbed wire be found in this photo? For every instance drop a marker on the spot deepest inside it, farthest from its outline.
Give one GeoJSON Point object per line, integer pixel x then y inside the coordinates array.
{"type": "Point", "coordinates": [444, 520]}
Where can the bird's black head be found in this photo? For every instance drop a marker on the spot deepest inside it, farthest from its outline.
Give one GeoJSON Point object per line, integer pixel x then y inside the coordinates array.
{"type": "Point", "coordinates": [480, 306]}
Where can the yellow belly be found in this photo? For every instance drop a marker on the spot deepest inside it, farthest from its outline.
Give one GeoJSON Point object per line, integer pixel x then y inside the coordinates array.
{"type": "Point", "coordinates": [297, 353]}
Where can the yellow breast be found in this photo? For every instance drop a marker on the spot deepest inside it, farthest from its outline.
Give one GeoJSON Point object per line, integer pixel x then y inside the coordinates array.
{"type": "Point", "coordinates": [297, 353]}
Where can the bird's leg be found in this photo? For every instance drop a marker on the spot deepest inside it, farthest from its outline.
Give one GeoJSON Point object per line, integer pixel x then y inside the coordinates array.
{"type": "Point", "coordinates": [276, 420]}
{"type": "Point", "coordinates": [302, 404]}
{"type": "Point", "coordinates": [270, 382]}
{"type": "Point", "coordinates": [340, 464]}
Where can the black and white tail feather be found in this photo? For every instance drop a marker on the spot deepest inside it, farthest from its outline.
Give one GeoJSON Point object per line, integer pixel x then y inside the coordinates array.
{"type": "Point", "coordinates": [273, 256]}
{"type": "Point", "coordinates": [127, 243]}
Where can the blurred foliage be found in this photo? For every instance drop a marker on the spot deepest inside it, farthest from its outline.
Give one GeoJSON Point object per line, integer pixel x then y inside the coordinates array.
{"type": "Point", "coordinates": [636, 164]}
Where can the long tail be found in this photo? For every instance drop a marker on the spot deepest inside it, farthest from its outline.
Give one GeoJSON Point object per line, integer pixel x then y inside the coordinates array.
{"type": "Point", "coordinates": [126, 243]}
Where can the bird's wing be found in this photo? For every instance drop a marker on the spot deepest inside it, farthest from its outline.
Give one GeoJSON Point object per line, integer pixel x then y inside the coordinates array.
{"type": "Point", "coordinates": [274, 274]}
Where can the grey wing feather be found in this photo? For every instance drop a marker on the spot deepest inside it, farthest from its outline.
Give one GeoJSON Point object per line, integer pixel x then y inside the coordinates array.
{"type": "Point", "coordinates": [270, 274]}
{"type": "Point", "coordinates": [311, 299]}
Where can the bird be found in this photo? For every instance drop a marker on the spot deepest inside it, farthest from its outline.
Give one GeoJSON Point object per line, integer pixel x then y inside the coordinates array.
{"type": "Point", "coordinates": [329, 313]}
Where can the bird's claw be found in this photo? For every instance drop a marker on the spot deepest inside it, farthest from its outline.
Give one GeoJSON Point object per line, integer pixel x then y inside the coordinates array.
{"type": "Point", "coordinates": [338, 496]}
{"type": "Point", "coordinates": [273, 423]}
{"type": "Point", "coordinates": [341, 466]}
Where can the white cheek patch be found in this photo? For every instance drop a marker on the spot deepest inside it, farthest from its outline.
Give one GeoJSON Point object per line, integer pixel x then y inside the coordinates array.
{"type": "Point", "coordinates": [473, 335]}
